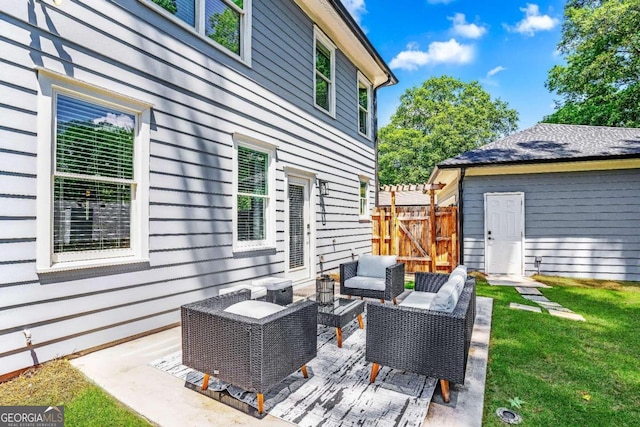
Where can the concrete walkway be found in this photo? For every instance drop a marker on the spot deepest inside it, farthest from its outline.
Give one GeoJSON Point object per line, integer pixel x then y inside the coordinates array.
{"type": "Point", "coordinates": [124, 372]}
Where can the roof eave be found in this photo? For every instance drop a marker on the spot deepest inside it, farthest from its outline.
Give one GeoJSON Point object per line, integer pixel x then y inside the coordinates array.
{"type": "Point", "coordinates": [336, 21]}
{"type": "Point", "coordinates": [536, 161]}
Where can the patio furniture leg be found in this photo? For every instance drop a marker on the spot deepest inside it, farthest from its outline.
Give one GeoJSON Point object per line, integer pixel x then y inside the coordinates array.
{"type": "Point", "coordinates": [395, 301]}
{"type": "Point", "coordinates": [374, 372]}
{"type": "Point", "coordinates": [339, 335]}
{"type": "Point", "coordinates": [444, 386]}
{"type": "Point", "coordinates": [360, 323]}
{"type": "Point", "coordinates": [205, 382]}
{"type": "Point", "coordinates": [304, 371]}
{"type": "Point", "coordinates": [260, 403]}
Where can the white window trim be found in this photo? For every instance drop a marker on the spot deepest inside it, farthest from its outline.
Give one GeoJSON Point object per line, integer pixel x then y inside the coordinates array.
{"type": "Point", "coordinates": [246, 25]}
{"type": "Point", "coordinates": [367, 214]}
{"type": "Point", "coordinates": [51, 84]}
{"type": "Point", "coordinates": [365, 82]}
{"type": "Point", "coordinates": [319, 36]}
{"type": "Point", "coordinates": [270, 215]}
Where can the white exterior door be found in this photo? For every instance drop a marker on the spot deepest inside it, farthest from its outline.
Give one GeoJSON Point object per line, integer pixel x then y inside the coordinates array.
{"type": "Point", "coordinates": [299, 230]}
{"type": "Point", "coordinates": [504, 233]}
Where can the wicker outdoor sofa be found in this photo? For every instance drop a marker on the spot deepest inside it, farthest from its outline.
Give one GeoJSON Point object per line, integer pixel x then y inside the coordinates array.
{"type": "Point", "coordinates": [422, 340]}
{"type": "Point", "coordinates": [254, 354]}
{"type": "Point", "coordinates": [373, 276]}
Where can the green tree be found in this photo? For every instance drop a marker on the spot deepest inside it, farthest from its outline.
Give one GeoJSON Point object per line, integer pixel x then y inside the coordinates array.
{"type": "Point", "coordinates": [600, 83]}
{"type": "Point", "coordinates": [440, 119]}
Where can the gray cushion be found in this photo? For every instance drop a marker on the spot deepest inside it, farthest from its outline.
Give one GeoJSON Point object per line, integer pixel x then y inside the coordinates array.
{"type": "Point", "coordinates": [418, 300]}
{"type": "Point", "coordinates": [254, 309]}
{"type": "Point", "coordinates": [447, 296]}
{"type": "Point", "coordinates": [375, 265]}
{"type": "Point", "coordinates": [461, 271]}
{"type": "Point", "coordinates": [363, 282]}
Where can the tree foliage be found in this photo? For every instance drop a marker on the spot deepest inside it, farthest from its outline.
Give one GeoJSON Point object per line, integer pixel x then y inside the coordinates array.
{"type": "Point", "coordinates": [600, 83]}
{"type": "Point", "coordinates": [438, 120]}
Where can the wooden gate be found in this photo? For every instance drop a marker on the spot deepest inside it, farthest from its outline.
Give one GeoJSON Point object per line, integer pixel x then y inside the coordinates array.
{"type": "Point", "coordinates": [408, 232]}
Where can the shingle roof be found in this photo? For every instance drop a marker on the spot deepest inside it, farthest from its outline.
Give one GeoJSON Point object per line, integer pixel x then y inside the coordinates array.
{"type": "Point", "coordinates": [547, 142]}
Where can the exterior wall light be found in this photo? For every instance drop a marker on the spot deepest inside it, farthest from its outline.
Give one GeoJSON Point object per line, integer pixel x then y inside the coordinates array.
{"type": "Point", "coordinates": [324, 187]}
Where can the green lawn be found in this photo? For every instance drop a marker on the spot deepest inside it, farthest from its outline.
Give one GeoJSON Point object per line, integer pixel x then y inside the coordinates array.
{"type": "Point", "coordinates": [568, 373]}
{"type": "Point", "coordinates": [59, 383]}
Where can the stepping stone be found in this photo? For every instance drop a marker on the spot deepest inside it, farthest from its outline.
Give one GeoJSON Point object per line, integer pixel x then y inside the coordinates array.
{"type": "Point", "coordinates": [528, 291]}
{"type": "Point", "coordinates": [525, 307]}
{"type": "Point", "coordinates": [550, 304]}
{"type": "Point", "coordinates": [536, 298]}
{"type": "Point", "coordinates": [564, 315]}
{"type": "Point", "coordinates": [561, 308]}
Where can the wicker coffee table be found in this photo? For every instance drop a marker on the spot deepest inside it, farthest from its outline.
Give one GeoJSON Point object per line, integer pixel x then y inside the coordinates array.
{"type": "Point", "coordinates": [341, 312]}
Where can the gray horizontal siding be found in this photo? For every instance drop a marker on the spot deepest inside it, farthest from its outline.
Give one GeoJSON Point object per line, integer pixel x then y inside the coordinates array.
{"type": "Point", "coordinates": [582, 224]}
{"type": "Point", "coordinates": [200, 97]}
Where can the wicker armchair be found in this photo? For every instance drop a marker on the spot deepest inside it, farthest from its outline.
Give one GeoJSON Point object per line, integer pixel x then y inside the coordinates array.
{"type": "Point", "coordinates": [254, 354]}
{"type": "Point", "coordinates": [391, 280]}
{"type": "Point", "coordinates": [424, 341]}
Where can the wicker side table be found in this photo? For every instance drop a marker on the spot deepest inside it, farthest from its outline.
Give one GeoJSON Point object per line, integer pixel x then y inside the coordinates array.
{"type": "Point", "coordinates": [341, 312]}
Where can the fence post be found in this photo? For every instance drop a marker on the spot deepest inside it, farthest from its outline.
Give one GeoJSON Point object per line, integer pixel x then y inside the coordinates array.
{"type": "Point", "coordinates": [432, 233]}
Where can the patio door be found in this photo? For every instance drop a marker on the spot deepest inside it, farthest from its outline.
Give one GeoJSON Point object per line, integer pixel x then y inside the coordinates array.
{"type": "Point", "coordinates": [504, 233]}
{"type": "Point", "coordinates": [299, 230]}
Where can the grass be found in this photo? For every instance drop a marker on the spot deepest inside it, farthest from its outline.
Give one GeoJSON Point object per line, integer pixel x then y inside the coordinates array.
{"type": "Point", "coordinates": [58, 383]}
{"type": "Point", "coordinates": [568, 373]}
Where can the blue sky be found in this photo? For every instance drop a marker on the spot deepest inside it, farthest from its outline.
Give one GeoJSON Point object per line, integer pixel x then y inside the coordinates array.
{"type": "Point", "coordinates": [507, 45]}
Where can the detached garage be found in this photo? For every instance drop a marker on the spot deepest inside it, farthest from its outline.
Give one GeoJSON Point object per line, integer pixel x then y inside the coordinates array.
{"type": "Point", "coordinates": [556, 199]}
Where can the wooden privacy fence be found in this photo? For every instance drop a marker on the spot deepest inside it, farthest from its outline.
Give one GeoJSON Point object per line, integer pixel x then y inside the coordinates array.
{"type": "Point", "coordinates": [412, 234]}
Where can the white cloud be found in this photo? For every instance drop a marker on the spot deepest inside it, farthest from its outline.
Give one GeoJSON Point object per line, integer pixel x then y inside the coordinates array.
{"type": "Point", "coordinates": [357, 8]}
{"type": "Point", "coordinates": [496, 70]}
{"type": "Point", "coordinates": [533, 21]}
{"type": "Point", "coordinates": [119, 120]}
{"type": "Point", "coordinates": [462, 28]}
{"type": "Point", "coordinates": [449, 52]}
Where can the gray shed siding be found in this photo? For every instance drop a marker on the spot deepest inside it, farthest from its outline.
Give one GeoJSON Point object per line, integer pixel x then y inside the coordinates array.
{"type": "Point", "coordinates": [582, 224]}
{"type": "Point", "coordinates": [200, 97]}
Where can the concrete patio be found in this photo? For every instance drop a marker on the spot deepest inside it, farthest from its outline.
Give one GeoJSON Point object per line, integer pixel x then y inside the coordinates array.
{"type": "Point", "coordinates": [123, 371]}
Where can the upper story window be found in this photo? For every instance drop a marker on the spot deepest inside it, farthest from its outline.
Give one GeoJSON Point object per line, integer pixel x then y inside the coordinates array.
{"type": "Point", "coordinates": [92, 195]}
{"type": "Point", "coordinates": [225, 22]}
{"type": "Point", "coordinates": [364, 197]}
{"type": "Point", "coordinates": [324, 74]}
{"type": "Point", "coordinates": [364, 106]}
{"type": "Point", "coordinates": [254, 214]}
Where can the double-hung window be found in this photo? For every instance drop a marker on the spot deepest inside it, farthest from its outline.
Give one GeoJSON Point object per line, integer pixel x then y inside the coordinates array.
{"type": "Point", "coordinates": [93, 167]}
{"type": "Point", "coordinates": [254, 213]}
{"type": "Point", "coordinates": [225, 22]}
{"type": "Point", "coordinates": [364, 197]}
{"type": "Point", "coordinates": [364, 106]}
{"type": "Point", "coordinates": [324, 73]}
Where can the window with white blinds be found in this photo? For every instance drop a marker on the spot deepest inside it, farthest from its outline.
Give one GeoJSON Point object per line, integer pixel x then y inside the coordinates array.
{"type": "Point", "coordinates": [93, 176]}
{"type": "Point", "coordinates": [254, 192]}
{"type": "Point", "coordinates": [225, 22]}
{"type": "Point", "coordinates": [296, 226]}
